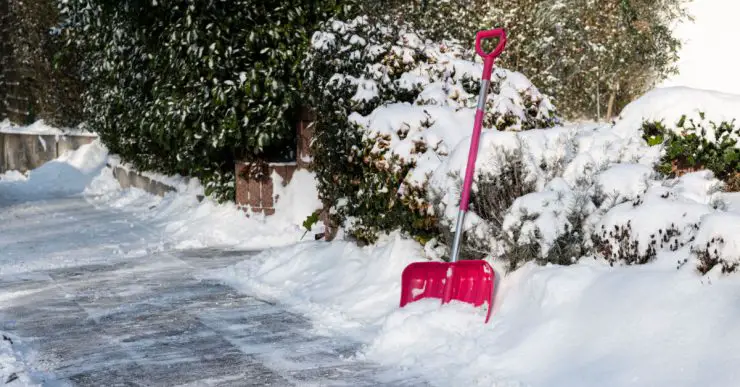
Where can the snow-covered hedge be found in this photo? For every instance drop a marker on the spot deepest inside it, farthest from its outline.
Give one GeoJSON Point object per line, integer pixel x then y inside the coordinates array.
{"type": "Point", "coordinates": [391, 106]}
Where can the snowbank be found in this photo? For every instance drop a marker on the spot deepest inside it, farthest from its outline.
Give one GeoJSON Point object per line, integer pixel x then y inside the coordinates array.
{"type": "Point", "coordinates": [670, 104]}
{"type": "Point", "coordinates": [188, 223]}
{"type": "Point", "coordinates": [68, 175]}
{"type": "Point", "coordinates": [583, 325]}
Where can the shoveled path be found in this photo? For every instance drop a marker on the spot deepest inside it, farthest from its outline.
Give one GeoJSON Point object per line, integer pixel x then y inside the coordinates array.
{"type": "Point", "coordinates": [103, 302]}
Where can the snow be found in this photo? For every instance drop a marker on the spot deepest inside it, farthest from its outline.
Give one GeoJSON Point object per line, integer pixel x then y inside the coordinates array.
{"type": "Point", "coordinates": [719, 234]}
{"type": "Point", "coordinates": [580, 325]}
{"type": "Point", "coordinates": [187, 221]}
{"type": "Point", "coordinates": [661, 323]}
{"type": "Point", "coordinates": [625, 181]}
{"type": "Point", "coordinates": [15, 362]}
{"type": "Point", "coordinates": [67, 175]}
{"type": "Point", "coordinates": [705, 60]}
{"type": "Point", "coordinates": [576, 326]}
{"type": "Point", "coordinates": [42, 128]}
{"type": "Point", "coordinates": [670, 104]}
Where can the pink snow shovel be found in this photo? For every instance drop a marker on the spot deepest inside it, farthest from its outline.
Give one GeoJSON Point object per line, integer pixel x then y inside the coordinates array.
{"type": "Point", "coordinates": [467, 281]}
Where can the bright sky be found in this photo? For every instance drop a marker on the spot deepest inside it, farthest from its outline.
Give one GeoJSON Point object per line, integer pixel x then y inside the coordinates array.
{"type": "Point", "coordinates": [709, 58]}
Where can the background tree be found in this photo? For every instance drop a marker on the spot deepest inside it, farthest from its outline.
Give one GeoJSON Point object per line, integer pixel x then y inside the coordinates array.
{"type": "Point", "coordinates": [593, 57]}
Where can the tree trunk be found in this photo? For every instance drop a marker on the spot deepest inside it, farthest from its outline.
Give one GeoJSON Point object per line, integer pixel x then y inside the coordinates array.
{"type": "Point", "coordinates": [610, 107]}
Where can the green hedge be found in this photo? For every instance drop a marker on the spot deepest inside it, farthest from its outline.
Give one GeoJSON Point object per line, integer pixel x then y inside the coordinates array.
{"type": "Point", "coordinates": [189, 86]}
{"type": "Point", "coordinates": [698, 144]}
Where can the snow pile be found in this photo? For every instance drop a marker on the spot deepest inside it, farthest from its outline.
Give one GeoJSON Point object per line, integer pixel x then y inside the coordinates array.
{"type": "Point", "coordinates": [670, 104]}
{"type": "Point", "coordinates": [68, 175]}
{"type": "Point", "coordinates": [190, 223]}
{"type": "Point", "coordinates": [580, 325]}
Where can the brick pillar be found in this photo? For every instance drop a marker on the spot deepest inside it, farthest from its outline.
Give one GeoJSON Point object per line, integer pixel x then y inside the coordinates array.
{"type": "Point", "coordinates": [259, 195]}
{"type": "Point", "coordinates": [305, 131]}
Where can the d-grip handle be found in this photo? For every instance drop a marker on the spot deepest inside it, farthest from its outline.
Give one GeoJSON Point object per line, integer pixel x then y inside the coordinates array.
{"type": "Point", "coordinates": [499, 33]}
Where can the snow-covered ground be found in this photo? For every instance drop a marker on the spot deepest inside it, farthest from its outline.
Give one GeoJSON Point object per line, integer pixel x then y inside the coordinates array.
{"type": "Point", "coordinates": [582, 325]}
{"type": "Point", "coordinates": [706, 60]}
{"type": "Point", "coordinates": [16, 364]}
{"type": "Point", "coordinates": [98, 286]}
{"type": "Point", "coordinates": [588, 324]}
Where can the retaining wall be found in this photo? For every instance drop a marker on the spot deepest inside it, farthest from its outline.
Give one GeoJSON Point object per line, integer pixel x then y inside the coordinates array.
{"type": "Point", "coordinates": [23, 152]}
{"type": "Point", "coordinates": [131, 178]}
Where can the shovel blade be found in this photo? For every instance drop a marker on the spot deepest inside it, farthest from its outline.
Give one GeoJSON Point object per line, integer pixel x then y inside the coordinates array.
{"type": "Point", "coordinates": [471, 282]}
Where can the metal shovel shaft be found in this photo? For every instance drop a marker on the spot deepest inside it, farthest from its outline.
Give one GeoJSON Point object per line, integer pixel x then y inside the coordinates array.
{"type": "Point", "coordinates": [472, 157]}
{"type": "Point", "coordinates": [472, 281]}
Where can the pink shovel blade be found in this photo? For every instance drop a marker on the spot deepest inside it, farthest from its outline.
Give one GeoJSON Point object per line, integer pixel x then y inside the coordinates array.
{"type": "Point", "coordinates": [471, 282]}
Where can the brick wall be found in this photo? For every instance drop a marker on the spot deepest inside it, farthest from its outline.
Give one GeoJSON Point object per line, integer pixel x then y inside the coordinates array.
{"type": "Point", "coordinates": [257, 194]}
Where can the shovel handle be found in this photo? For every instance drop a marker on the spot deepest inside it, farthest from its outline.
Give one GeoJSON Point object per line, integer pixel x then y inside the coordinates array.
{"type": "Point", "coordinates": [499, 33]}
{"type": "Point", "coordinates": [489, 57]}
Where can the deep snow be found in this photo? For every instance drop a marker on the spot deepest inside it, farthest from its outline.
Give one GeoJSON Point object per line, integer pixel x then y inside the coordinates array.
{"type": "Point", "coordinates": [588, 324]}
{"type": "Point", "coordinates": [585, 324]}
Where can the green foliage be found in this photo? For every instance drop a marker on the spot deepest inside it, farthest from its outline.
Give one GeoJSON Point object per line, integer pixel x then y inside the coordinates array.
{"type": "Point", "coordinates": [189, 86]}
{"type": "Point", "coordinates": [694, 145]}
{"type": "Point", "coordinates": [310, 221]}
{"type": "Point", "coordinates": [435, 19]}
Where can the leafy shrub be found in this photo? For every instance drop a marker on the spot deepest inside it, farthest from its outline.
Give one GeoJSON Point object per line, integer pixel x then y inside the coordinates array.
{"type": "Point", "coordinates": [697, 144]}
{"type": "Point", "coordinates": [189, 86]}
{"type": "Point", "coordinates": [522, 210]}
{"type": "Point", "coordinates": [386, 101]}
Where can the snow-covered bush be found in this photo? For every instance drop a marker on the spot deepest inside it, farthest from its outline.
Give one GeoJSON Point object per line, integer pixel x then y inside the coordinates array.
{"type": "Point", "coordinates": [717, 243]}
{"type": "Point", "coordinates": [390, 106]}
{"type": "Point", "coordinates": [698, 144]}
{"type": "Point", "coordinates": [189, 86]}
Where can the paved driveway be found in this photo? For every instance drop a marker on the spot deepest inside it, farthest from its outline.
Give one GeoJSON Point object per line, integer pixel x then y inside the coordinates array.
{"type": "Point", "coordinates": [104, 302]}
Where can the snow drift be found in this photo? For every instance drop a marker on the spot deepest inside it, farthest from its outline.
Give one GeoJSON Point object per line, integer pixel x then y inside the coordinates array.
{"type": "Point", "coordinates": [587, 324]}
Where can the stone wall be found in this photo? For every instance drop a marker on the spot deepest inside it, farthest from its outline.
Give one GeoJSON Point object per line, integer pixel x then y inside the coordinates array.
{"type": "Point", "coordinates": [23, 152]}
{"type": "Point", "coordinates": [131, 178]}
